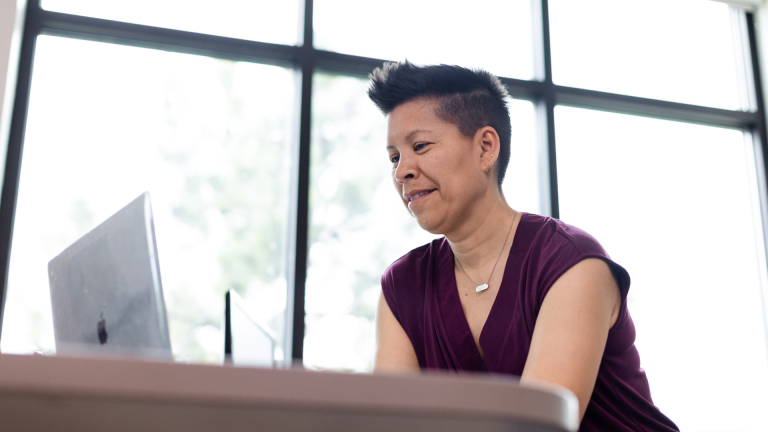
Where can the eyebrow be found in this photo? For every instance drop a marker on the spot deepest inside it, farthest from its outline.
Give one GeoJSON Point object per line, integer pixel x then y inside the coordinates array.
{"type": "Point", "coordinates": [414, 132]}
{"type": "Point", "coordinates": [410, 135]}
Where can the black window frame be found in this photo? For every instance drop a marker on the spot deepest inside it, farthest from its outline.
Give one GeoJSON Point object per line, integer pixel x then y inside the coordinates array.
{"type": "Point", "coordinates": [305, 59]}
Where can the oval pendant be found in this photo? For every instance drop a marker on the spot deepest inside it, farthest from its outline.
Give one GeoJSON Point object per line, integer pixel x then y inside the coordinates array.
{"type": "Point", "coordinates": [482, 287]}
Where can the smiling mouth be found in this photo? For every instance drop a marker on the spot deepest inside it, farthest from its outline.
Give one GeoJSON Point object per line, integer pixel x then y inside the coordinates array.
{"type": "Point", "coordinates": [421, 194]}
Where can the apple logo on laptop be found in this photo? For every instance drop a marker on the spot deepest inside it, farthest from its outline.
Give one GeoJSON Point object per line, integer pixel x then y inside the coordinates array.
{"type": "Point", "coordinates": [102, 328]}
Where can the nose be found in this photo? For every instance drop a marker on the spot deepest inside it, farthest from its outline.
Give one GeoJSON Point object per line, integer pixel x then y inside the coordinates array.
{"type": "Point", "coordinates": [406, 169]}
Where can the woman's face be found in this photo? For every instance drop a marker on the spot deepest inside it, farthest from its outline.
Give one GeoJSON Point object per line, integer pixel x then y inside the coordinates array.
{"type": "Point", "coordinates": [437, 171]}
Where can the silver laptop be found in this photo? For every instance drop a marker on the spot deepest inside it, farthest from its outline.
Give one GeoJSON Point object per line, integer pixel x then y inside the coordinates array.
{"type": "Point", "coordinates": [106, 294]}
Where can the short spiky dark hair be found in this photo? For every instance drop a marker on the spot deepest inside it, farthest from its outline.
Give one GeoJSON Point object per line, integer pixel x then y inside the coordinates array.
{"type": "Point", "coordinates": [470, 99]}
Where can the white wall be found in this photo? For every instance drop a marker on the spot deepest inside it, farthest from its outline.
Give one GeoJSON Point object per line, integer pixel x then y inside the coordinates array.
{"type": "Point", "coordinates": [11, 26]}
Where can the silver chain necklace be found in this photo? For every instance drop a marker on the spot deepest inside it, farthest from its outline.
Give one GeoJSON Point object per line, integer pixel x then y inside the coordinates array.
{"type": "Point", "coordinates": [484, 286]}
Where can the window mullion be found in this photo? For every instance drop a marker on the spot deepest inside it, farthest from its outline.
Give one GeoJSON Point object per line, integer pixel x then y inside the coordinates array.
{"type": "Point", "coordinates": [545, 110]}
{"type": "Point", "coordinates": [10, 188]}
{"type": "Point", "coordinates": [298, 237]}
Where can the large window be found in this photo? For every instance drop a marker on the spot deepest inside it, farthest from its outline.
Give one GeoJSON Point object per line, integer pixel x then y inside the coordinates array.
{"type": "Point", "coordinates": [258, 20]}
{"type": "Point", "coordinates": [431, 31]}
{"type": "Point", "coordinates": [209, 139]}
{"type": "Point", "coordinates": [676, 205]}
{"type": "Point", "coordinates": [248, 123]}
{"type": "Point", "coordinates": [654, 50]}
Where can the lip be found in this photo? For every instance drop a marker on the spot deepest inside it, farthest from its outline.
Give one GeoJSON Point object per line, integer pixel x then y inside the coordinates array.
{"type": "Point", "coordinates": [417, 195]}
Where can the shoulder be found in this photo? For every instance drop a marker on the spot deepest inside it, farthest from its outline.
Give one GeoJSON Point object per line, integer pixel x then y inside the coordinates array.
{"type": "Point", "coordinates": [555, 236]}
{"type": "Point", "coordinates": [414, 263]}
{"type": "Point", "coordinates": [557, 246]}
{"type": "Point", "coordinates": [406, 278]}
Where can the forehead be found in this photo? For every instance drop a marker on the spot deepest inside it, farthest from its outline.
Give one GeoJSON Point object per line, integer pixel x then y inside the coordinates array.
{"type": "Point", "coordinates": [415, 115]}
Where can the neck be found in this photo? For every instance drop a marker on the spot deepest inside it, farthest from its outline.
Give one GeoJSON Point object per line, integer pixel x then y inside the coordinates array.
{"type": "Point", "coordinates": [482, 235]}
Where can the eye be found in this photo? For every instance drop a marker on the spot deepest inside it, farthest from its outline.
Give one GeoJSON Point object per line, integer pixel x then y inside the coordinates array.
{"type": "Point", "coordinates": [394, 159]}
{"type": "Point", "coordinates": [419, 146]}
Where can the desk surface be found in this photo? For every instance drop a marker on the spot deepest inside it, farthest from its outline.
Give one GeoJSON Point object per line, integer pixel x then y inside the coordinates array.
{"type": "Point", "coordinates": [88, 394]}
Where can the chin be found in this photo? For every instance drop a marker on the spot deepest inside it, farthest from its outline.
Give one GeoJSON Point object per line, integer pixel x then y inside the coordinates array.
{"type": "Point", "coordinates": [428, 224]}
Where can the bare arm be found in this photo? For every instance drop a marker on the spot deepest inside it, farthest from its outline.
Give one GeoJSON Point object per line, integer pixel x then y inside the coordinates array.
{"type": "Point", "coordinates": [572, 329]}
{"type": "Point", "coordinates": [394, 351]}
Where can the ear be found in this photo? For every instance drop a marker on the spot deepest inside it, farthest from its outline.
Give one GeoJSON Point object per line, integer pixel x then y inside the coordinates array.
{"type": "Point", "coordinates": [489, 143]}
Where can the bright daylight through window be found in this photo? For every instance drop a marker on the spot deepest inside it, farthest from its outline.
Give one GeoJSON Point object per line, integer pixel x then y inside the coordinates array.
{"type": "Point", "coordinates": [655, 49]}
{"type": "Point", "coordinates": [258, 20]}
{"type": "Point", "coordinates": [259, 152]}
{"type": "Point", "coordinates": [425, 40]}
{"type": "Point", "coordinates": [676, 205]}
{"type": "Point", "coordinates": [207, 138]}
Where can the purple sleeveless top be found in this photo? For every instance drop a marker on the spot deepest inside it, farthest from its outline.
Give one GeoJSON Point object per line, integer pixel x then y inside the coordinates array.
{"type": "Point", "coordinates": [421, 291]}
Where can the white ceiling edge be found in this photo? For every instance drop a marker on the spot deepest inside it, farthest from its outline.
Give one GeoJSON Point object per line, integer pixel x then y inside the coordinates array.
{"type": "Point", "coordinates": [750, 5]}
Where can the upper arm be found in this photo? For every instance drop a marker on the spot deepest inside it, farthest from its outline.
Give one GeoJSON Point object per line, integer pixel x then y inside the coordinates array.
{"type": "Point", "coordinates": [394, 351]}
{"type": "Point", "coordinates": [572, 327]}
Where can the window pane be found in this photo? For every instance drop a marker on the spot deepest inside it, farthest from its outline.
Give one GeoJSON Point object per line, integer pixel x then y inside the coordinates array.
{"type": "Point", "coordinates": [259, 20]}
{"type": "Point", "coordinates": [675, 204]}
{"type": "Point", "coordinates": [358, 225]}
{"type": "Point", "coordinates": [429, 31]}
{"type": "Point", "coordinates": [521, 185]}
{"type": "Point", "coordinates": [208, 138]}
{"type": "Point", "coordinates": [676, 50]}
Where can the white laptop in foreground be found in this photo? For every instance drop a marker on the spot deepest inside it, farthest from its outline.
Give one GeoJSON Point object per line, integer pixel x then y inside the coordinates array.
{"type": "Point", "coordinates": [106, 293]}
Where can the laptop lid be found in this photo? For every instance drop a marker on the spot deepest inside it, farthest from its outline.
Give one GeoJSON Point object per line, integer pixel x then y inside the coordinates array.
{"type": "Point", "coordinates": [106, 293]}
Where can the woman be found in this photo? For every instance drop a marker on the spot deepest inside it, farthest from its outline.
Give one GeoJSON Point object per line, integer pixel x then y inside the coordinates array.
{"type": "Point", "coordinates": [503, 291]}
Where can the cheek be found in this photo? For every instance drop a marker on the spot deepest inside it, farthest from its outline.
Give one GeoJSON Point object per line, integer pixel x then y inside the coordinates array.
{"type": "Point", "coordinates": [461, 184]}
{"type": "Point", "coordinates": [456, 158]}
{"type": "Point", "coordinates": [455, 169]}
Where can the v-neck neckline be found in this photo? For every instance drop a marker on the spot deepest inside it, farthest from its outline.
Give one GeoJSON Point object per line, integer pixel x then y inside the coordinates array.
{"type": "Point", "coordinates": [450, 306]}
